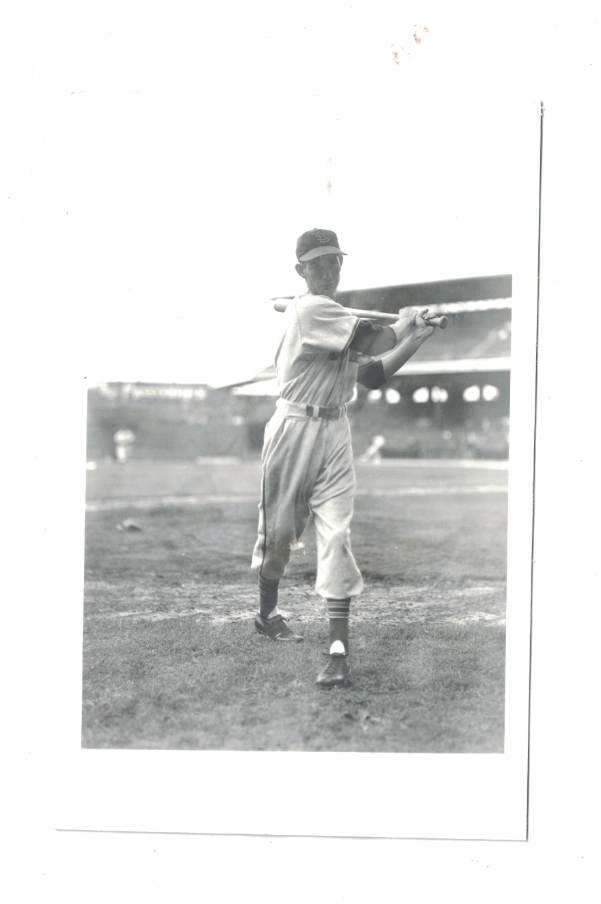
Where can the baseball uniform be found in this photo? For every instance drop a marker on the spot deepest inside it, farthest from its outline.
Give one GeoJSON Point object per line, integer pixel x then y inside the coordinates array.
{"type": "Point", "coordinates": [307, 454]}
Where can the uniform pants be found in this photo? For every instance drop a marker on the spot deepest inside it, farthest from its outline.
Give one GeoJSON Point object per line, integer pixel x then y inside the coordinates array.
{"type": "Point", "coordinates": [308, 469]}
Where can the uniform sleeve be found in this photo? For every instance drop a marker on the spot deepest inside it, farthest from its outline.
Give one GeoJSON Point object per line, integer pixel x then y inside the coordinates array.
{"type": "Point", "coordinates": [324, 325]}
{"type": "Point", "coordinates": [371, 375]}
{"type": "Point", "coordinates": [373, 339]}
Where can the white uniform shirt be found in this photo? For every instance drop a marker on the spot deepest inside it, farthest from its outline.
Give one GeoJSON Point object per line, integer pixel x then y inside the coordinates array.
{"type": "Point", "coordinates": [313, 363]}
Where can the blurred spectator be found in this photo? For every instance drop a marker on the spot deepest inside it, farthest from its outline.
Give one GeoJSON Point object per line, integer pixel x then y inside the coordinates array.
{"type": "Point", "coordinates": [124, 440]}
{"type": "Point", "coordinates": [374, 452]}
{"type": "Point", "coordinates": [491, 441]}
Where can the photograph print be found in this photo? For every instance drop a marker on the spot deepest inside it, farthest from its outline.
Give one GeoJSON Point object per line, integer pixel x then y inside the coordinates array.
{"type": "Point", "coordinates": [298, 449]}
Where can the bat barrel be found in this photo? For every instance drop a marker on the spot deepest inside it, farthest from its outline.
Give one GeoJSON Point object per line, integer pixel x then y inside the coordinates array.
{"type": "Point", "coordinates": [281, 306]}
{"type": "Point", "coordinates": [378, 316]}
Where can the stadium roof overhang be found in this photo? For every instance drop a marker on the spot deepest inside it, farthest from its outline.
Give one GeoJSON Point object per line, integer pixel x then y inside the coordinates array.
{"type": "Point", "coordinates": [269, 386]}
{"type": "Point", "coordinates": [442, 292]}
{"type": "Point", "coordinates": [465, 366]}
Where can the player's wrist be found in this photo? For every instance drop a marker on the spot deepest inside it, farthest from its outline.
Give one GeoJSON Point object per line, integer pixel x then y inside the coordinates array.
{"type": "Point", "coordinates": [401, 327]}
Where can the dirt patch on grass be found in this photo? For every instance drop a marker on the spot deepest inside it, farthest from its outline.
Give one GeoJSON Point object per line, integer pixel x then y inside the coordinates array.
{"type": "Point", "coordinates": [215, 603]}
{"type": "Point", "coordinates": [171, 660]}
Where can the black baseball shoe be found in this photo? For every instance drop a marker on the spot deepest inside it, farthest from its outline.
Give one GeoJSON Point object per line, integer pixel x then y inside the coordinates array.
{"type": "Point", "coordinates": [276, 628]}
{"type": "Point", "coordinates": [336, 673]}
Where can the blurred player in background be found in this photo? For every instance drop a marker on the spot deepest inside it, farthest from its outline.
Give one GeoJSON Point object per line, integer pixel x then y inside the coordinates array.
{"type": "Point", "coordinates": [124, 440]}
{"type": "Point", "coordinates": [373, 453]}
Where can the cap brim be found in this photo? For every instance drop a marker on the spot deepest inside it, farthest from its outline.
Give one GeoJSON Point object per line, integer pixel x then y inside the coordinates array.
{"type": "Point", "coordinates": [319, 252]}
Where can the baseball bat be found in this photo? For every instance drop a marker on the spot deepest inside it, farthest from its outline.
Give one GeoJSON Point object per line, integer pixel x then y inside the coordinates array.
{"type": "Point", "coordinates": [430, 319]}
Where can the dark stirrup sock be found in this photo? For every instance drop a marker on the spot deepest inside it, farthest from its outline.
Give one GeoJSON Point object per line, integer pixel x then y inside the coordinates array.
{"type": "Point", "coordinates": [268, 596]}
{"type": "Point", "coordinates": [339, 610]}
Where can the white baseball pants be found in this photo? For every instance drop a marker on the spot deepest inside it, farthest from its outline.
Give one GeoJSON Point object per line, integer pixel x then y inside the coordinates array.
{"type": "Point", "coordinates": [308, 469]}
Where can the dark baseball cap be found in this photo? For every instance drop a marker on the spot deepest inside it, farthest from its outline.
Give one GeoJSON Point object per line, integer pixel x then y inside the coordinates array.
{"type": "Point", "coordinates": [315, 243]}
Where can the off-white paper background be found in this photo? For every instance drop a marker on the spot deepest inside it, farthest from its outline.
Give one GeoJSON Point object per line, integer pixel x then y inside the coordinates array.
{"type": "Point", "coordinates": [550, 53]}
{"type": "Point", "coordinates": [193, 212]}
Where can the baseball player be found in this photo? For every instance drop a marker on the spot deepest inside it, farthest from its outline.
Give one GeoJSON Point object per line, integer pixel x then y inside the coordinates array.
{"type": "Point", "coordinates": [124, 440]}
{"type": "Point", "coordinates": [307, 455]}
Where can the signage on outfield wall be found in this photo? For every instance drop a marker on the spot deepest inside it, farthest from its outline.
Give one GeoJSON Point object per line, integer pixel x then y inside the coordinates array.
{"type": "Point", "coordinates": [126, 391]}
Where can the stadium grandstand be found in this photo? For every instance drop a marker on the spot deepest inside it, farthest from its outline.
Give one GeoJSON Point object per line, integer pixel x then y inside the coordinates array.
{"type": "Point", "coordinates": [451, 400]}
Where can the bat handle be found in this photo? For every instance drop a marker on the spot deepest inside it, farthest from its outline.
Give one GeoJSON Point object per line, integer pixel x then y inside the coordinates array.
{"type": "Point", "coordinates": [441, 322]}
{"type": "Point", "coordinates": [280, 306]}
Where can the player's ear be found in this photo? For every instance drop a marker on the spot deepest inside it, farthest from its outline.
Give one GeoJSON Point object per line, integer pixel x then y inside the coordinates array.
{"type": "Point", "coordinates": [300, 269]}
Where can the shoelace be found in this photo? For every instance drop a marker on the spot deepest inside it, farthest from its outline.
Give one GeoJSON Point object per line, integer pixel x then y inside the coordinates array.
{"type": "Point", "coordinates": [280, 622]}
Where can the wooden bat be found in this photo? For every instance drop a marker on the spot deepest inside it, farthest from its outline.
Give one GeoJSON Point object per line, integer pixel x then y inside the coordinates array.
{"type": "Point", "coordinates": [431, 319]}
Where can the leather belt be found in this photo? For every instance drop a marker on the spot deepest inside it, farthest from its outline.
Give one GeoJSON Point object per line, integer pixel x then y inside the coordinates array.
{"type": "Point", "coordinates": [297, 409]}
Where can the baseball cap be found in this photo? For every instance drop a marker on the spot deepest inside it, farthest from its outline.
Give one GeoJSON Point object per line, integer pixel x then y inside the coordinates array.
{"type": "Point", "coordinates": [315, 243]}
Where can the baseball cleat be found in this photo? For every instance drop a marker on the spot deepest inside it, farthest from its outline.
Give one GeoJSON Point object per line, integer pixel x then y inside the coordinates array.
{"type": "Point", "coordinates": [336, 673]}
{"type": "Point", "coordinates": [276, 628]}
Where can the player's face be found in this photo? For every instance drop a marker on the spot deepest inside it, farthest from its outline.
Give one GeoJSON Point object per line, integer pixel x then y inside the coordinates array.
{"type": "Point", "coordinates": [322, 274]}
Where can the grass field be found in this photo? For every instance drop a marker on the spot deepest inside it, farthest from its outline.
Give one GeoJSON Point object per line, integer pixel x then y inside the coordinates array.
{"type": "Point", "coordinates": [170, 658]}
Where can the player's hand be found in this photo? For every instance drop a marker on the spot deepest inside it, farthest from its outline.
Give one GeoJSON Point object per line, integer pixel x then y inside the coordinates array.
{"type": "Point", "coordinates": [411, 324]}
{"type": "Point", "coordinates": [417, 318]}
{"type": "Point", "coordinates": [413, 315]}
